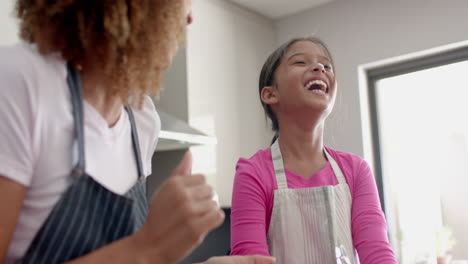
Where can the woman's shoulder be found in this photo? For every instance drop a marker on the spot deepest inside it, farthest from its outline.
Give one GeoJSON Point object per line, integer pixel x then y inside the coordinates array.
{"type": "Point", "coordinates": [24, 57]}
{"type": "Point", "coordinates": [16, 54]}
{"type": "Point", "coordinates": [147, 116]}
{"type": "Point", "coordinates": [16, 62]}
{"type": "Point", "coordinates": [148, 123]}
{"type": "Point", "coordinates": [22, 66]}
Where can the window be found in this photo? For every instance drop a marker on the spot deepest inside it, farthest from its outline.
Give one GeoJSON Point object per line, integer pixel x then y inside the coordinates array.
{"type": "Point", "coordinates": [419, 126]}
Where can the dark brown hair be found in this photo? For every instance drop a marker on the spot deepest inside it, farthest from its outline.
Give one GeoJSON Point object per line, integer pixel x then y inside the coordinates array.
{"type": "Point", "coordinates": [267, 75]}
{"type": "Point", "coordinates": [128, 40]}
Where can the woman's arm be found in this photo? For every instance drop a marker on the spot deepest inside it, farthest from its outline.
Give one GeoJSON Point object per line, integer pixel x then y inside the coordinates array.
{"type": "Point", "coordinates": [248, 213]}
{"type": "Point", "coordinates": [369, 227]}
{"type": "Point", "coordinates": [181, 214]}
{"type": "Point", "coordinates": [11, 201]}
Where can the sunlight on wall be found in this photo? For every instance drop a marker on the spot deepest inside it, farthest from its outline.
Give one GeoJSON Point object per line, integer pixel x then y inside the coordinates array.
{"type": "Point", "coordinates": [204, 157]}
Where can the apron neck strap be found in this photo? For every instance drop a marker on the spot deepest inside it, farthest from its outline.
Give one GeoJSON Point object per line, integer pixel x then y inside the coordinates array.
{"type": "Point", "coordinates": [336, 169]}
{"type": "Point", "coordinates": [277, 159]}
{"type": "Point", "coordinates": [74, 84]}
{"type": "Point", "coordinates": [278, 165]}
{"type": "Point", "coordinates": [135, 142]}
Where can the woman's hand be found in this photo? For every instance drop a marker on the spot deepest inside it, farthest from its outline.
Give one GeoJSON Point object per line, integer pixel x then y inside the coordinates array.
{"type": "Point", "coordinates": [181, 213]}
{"type": "Point", "coordinates": [241, 260]}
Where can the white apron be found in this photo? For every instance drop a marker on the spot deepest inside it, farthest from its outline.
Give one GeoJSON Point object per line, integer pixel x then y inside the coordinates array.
{"type": "Point", "coordinates": [311, 225]}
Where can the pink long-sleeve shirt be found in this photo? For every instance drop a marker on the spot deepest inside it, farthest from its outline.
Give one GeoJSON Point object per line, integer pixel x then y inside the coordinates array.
{"type": "Point", "coordinates": [252, 204]}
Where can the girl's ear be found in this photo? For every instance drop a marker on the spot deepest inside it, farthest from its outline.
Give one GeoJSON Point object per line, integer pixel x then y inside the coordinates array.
{"type": "Point", "coordinates": [269, 95]}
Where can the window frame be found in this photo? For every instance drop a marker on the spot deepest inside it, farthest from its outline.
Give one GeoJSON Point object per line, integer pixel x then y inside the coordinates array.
{"type": "Point", "coordinates": [405, 66]}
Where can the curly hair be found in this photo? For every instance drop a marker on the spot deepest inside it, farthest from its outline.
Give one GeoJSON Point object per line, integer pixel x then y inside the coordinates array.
{"type": "Point", "coordinates": [130, 41]}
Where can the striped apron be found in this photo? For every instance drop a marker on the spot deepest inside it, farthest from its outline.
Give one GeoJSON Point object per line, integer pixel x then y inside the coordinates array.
{"type": "Point", "coordinates": [310, 225]}
{"type": "Point", "coordinates": [88, 216]}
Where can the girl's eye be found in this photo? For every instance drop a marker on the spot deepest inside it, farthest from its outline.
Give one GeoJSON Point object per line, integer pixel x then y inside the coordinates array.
{"type": "Point", "coordinates": [328, 67]}
{"type": "Point", "coordinates": [299, 62]}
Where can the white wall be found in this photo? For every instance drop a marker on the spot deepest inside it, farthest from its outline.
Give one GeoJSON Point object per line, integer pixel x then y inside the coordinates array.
{"type": "Point", "coordinates": [363, 31]}
{"type": "Point", "coordinates": [226, 48]}
{"type": "Point", "coordinates": [8, 25]}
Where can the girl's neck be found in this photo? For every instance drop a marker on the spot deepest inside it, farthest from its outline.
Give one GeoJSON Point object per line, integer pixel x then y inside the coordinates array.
{"type": "Point", "coordinates": [300, 142]}
{"type": "Point", "coordinates": [302, 146]}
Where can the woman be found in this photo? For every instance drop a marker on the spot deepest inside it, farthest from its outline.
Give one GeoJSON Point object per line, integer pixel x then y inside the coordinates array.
{"type": "Point", "coordinates": [78, 132]}
{"type": "Point", "coordinates": [300, 201]}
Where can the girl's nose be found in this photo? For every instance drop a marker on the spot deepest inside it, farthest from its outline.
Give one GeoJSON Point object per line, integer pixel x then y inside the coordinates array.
{"type": "Point", "coordinates": [318, 67]}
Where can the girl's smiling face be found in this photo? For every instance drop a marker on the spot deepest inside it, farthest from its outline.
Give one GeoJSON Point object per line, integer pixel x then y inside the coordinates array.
{"type": "Point", "coordinates": [305, 79]}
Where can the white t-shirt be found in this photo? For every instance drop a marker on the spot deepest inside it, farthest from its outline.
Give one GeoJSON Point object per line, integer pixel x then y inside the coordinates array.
{"type": "Point", "coordinates": [37, 148]}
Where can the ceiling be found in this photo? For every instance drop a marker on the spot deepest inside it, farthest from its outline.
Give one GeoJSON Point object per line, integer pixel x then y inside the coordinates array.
{"type": "Point", "coordinates": [275, 9]}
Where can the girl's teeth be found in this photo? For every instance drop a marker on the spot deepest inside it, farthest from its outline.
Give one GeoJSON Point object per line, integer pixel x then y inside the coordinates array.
{"type": "Point", "coordinates": [318, 91]}
{"type": "Point", "coordinates": [322, 84]}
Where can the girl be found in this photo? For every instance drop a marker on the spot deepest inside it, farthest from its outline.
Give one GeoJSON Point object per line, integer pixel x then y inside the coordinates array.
{"type": "Point", "coordinates": [299, 200]}
{"type": "Point", "coordinates": [74, 155]}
